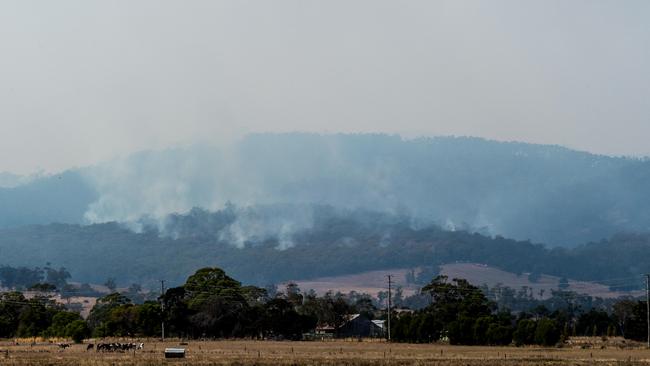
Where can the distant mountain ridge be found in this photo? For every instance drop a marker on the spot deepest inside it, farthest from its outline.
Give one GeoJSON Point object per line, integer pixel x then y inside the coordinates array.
{"type": "Point", "coordinates": [542, 193]}
{"type": "Point", "coordinates": [338, 242]}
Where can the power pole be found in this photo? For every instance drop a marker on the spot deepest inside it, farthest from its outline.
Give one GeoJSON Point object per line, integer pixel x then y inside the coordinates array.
{"type": "Point", "coordinates": [389, 303]}
{"type": "Point", "coordinates": [162, 307]}
{"type": "Point", "coordinates": [647, 304]}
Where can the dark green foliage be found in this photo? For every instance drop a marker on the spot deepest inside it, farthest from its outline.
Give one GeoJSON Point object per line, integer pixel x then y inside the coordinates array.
{"type": "Point", "coordinates": [208, 283]}
{"type": "Point", "coordinates": [176, 310]}
{"type": "Point", "coordinates": [281, 319]}
{"type": "Point", "coordinates": [102, 319]}
{"type": "Point", "coordinates": [498, 334]}
{"type": "Point", "coordinates": [456, 298]}
{"type": "Point", "coordinates": [480, 328]}
{"type": "Point", "coordinates": [149, 318]}
{"type": "Point", "coordinates": [60, 321]}
{"type": "Point", "coordinates": [212, 304]}
{"type": "Point", "coordinates": [461, 330]}
{"type": "Point", "coordinates": [70, 325]}
{"type": "Point", "coordinates": [11, 305]}
{"type": "Point", "coordinates": [459, 311]}
{"type": "Point", "coordinates": [547, 332]}
{"type": "Point", "coordinates": [525, 332]}
{"type": "Point", "coordinates": [43, 287]}
{"type": "Point", "coordinates": [20, 277]}
{"type": "Point", "coordinates": [631, 318]}
{"type": "Point", "coordinates": [402, 329]}
{"type": "Point", "coordinates": [34, 319]}
{"type": "Point", "coordinates": [428, 329]}
{"type": "Point", "coordinates": [77, 330]}
{"type": "Point", "coordinates": [21, 317]}
{"type": "Point", "coordinates": [594, 323]}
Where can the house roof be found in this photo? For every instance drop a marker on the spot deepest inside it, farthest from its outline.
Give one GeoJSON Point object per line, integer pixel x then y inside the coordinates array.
{"type": "Point", "coordinates": [348, 318]}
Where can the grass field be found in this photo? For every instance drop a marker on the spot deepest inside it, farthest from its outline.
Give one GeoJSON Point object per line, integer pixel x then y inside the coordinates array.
{"type": "Point", "coordinates": [319, 353]}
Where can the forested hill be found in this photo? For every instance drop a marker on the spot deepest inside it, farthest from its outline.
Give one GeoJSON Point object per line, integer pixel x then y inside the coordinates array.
{"type": "Point", "coordinates": [545, 194]}
{"type": "Point", "coordinates": [58, 198]}
{"type": "Point", "coordinates": [338, 242]}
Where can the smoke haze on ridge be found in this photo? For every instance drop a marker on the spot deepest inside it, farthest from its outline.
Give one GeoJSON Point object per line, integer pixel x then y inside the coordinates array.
{"type": "Point", "coordinates": [542, 193]}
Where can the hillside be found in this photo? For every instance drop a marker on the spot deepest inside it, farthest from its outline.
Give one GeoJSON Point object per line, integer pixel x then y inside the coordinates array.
{"type": "Point", "coordinates": [373, 282]}
{"type": "Point", "coordinates": [339, 242]}
{"type": "Point", "coordinates": [546, 194]}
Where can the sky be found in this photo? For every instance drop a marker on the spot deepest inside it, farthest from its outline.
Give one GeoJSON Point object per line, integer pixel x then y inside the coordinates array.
{"type": "Point", "coordinates": [84, 81]}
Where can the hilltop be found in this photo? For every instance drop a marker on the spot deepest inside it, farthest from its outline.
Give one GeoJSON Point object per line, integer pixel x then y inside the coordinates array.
{"type": "Point", "coordinates": [541, 193]}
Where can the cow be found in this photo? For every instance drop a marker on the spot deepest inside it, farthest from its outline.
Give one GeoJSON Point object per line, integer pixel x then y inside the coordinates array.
{"type": "Point", "coordinates": [121, 347]}
{"type": "Point", "coordinates": [90, 347]}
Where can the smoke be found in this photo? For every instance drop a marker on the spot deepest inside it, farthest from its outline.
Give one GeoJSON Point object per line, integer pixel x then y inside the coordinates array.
{"type": "Point", "coordinates": [510, 189]}
{"type": "Point", "coordinates": [258, 170]}
{"type": "Point", "coordinates": [155, 184]}
{"type": "Point", "coordinates": [257, 224]}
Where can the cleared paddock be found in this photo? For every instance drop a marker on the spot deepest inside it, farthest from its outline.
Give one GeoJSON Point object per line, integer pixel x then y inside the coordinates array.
{"type": "Point", "coordinates": [239, 352]}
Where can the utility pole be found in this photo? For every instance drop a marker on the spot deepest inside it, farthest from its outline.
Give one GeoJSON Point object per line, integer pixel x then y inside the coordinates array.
{"type": "Point", "coordinates": [647, 304]}
{"type": "Point", "coordinates": [389, 303]}
{"type": "Point", "coordinates": [162, 307]}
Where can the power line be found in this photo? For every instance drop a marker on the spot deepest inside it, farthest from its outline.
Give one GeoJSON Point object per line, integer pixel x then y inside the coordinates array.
{"type": "Point", "coordinates": [389, 304]}
{"type": "Point", "coordinates": [647, 303]}
{"type": "Point", "coordinates": [162, 309]}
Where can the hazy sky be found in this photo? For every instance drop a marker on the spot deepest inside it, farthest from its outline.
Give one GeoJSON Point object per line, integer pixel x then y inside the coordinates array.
{"type": "Point", "coordinates": [82, 81]}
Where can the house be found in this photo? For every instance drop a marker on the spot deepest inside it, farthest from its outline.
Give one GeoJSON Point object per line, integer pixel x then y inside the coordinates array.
{"type": "Point", "coordinates": [380, 328]}
{"type": "Point", "coordinates": [355, 326]}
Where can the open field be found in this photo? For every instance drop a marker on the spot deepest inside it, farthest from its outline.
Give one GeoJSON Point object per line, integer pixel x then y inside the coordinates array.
{"type": "Point", "coordinates": [319, 353]}
{"type": "Point", "coordinates": [372, 282]}
{"type": "Point", "coordinates": [479, 274]}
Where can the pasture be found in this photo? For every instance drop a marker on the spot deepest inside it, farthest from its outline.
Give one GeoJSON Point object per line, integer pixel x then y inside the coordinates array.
{"type": "Point", "coordinates": [262, 353]}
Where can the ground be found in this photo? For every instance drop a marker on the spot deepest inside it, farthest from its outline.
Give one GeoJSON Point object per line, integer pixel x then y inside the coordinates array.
{"type": "Point", "coordinates": [263, 353]}
{"type": "Point", "coordinates": [372, 282]}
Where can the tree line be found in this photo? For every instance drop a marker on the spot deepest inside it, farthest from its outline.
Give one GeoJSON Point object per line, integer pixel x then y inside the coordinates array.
{"type": "Point", "coordinates": [462, 314]}
{"type": "Point", "coordinates": [211, 304]}
{"type": "Point", "coordinates": [337, 235]}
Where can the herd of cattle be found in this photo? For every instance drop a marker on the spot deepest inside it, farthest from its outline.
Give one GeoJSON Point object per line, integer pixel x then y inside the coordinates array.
{"type": "Point", "coordinates": [109, 347]}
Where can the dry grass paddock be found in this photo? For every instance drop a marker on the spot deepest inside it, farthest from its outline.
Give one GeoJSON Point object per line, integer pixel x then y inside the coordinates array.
{"type": "Point", "coordinates": [262, 353]}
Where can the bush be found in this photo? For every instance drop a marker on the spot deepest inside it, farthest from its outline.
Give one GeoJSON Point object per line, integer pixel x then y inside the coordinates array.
{"type": "Point", "coordinates": [498, 335]}
{"type": "Point", "coordinates": [525, 332]}
{"type": "Point", "coordinates": [461, 331]}
{"type": "Point", "coordinates": [77, 330]}
{"type": "Point", "coordinates": [547, 332]}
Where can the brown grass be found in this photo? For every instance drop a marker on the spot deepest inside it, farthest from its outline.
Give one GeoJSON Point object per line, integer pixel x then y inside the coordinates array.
{"type": "Point", "coordinates": [265, 353]}
{"type": "Point", "coordinates": [372, 282]}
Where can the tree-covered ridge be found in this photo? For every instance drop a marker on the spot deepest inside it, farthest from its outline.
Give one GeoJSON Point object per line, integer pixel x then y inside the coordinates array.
{"type": "Point", "coordinates": [337, 242]}
{"type": "Point", "coordinates": [543, 193]}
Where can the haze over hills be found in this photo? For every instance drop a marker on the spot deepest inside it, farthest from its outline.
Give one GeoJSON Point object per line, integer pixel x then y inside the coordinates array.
{"type": "Point", "coordinates": [545, 194]}
{"type": "Point", "coordinates": [338, 242]}
{"type": "Point", "coordinates": [276, 207]}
